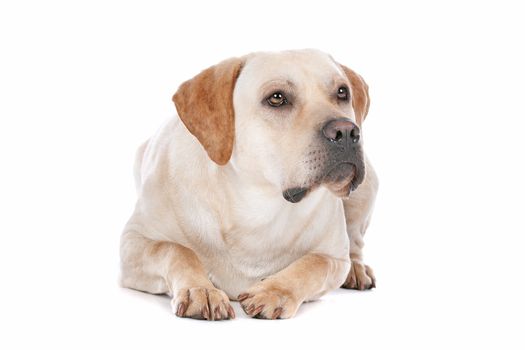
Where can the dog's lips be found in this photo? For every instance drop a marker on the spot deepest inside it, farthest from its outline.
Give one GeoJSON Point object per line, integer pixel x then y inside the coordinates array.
{"type": "Point", "coordinates": [341, 172]}
{"type": "Point", "coordinates": [340, 179]}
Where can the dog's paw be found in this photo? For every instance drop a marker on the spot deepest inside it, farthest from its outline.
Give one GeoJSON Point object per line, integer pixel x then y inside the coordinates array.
{"type": "Point", "coordinates": [360, 277]}
{"type": "Point", "coordinates": [203, 304]}
{"type": "Point", "coordinates": [267, 301]}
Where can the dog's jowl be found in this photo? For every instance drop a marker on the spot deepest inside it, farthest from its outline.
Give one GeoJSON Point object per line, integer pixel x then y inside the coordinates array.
{"type": "Point", "coordinates": [258, 190]}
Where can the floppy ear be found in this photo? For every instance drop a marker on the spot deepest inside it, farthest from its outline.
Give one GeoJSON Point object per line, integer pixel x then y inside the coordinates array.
{"type": "Point", "coordinates": [205, 106]}
{"type": "Point", "coordinates": [360, 98]}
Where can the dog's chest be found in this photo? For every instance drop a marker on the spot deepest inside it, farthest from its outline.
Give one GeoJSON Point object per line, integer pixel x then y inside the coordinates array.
{"type": "Point", "coordinates": [252, 254]}
{"type": "Point", "coordinates": [272, 228]}
{"type": "Point", "coordinates": [261, 243]}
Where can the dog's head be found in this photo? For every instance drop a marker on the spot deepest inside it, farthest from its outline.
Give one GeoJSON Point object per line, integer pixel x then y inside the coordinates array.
{"type": "Point", "coordinates": [291, 118]}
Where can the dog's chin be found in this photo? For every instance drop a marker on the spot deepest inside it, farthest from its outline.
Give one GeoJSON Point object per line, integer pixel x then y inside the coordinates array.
{"type": "Point", "coordinates": [342, 179]}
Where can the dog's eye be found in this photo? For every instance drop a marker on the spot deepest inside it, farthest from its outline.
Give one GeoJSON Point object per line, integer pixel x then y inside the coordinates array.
{"type": "Point", "coordinates": [277, 99]}
{"type": "Point", "coordinates": [342, 93]}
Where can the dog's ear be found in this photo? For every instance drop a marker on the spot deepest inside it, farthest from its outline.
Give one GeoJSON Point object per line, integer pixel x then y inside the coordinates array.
{"type": "Point", "coordinates": [360, 98]}
{"type": "Point", "coordinates": [205, 106]}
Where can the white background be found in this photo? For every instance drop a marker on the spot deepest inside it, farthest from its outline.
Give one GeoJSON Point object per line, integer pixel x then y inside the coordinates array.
{"type": "Point", "coordinates": [82, 84]}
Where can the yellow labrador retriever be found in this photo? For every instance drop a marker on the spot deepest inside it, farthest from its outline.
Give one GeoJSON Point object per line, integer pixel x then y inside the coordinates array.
{"type": "Point", "coordinates": [259, 191]}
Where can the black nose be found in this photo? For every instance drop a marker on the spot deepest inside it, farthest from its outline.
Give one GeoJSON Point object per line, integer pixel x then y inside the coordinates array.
{"type": "Point", "coordinates": [341, 130]}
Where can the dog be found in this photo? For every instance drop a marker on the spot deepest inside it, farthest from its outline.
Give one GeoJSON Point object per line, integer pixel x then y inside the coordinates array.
{"type": "Point", "coordinates": [258, 191]}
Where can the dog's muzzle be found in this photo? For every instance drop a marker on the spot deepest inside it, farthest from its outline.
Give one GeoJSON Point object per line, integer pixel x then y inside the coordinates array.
{"type": "Point", "coordinates": [343, 168]}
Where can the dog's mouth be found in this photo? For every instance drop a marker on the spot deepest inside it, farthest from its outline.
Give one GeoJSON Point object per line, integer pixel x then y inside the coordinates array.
{"type": "Point", "coordinates": [341, 180]}
{"type": "Point", "coordinates": [342, 172]}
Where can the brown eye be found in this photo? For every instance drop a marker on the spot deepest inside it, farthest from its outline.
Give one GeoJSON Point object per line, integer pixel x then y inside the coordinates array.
{"type": "Point", "coordinates": [342, 93]}
{"type": "Point", "coordinates": [277, 99]}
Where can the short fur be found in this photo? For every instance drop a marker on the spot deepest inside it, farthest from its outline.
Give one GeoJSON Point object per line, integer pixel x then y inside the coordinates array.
{"type": "Point", "coordinates": [205, 103]}
{"type": "Point", "coordinates": [214, 219]}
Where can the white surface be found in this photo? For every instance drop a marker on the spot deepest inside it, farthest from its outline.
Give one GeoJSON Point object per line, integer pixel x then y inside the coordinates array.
{"type": "Point", "coordinates": [82, 85]}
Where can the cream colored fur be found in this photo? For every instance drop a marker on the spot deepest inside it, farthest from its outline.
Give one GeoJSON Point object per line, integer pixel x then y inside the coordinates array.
{"type": "Point", "coordinates": [206, 233]}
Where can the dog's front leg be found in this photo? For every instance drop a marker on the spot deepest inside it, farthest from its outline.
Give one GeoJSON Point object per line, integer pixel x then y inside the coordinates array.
{"type": "Point", "coordinates": [165, 267]}
{"type": "Point", "coordinates": [358, 211]}
{"type": "Point", "coordinates": [280, 295]}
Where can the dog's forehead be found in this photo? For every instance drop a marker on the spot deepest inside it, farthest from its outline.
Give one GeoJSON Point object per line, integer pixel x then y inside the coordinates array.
{"type": "Point", "coordinates": [296, 66]}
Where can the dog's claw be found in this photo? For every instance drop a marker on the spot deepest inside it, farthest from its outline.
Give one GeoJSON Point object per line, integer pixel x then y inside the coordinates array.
{"type": "Point", "coordinates": [231, 313]}
{"type": "Point", "coordinates": [181, 309]}
{"type": "Point", "coordinates": [243, 297]}
{"type": "Point", "coordinates": [206, 313]}
{"type": "Point", "coordinates": [256, 310]}
{"type": "Point", "coordinates": [217, 313]}
{"type": "Point", "coordinates": [277, 312]}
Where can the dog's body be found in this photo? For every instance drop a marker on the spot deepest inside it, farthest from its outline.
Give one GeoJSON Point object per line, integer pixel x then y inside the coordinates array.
{"type": "Point", "coordinates": [236, 197]}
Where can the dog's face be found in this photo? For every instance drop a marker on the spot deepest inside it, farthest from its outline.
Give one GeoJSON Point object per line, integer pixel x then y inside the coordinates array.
{"type": "Point", "coordinates": [292, 118]}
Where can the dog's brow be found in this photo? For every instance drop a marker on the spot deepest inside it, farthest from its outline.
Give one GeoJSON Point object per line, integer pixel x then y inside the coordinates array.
{"type": "Point", "coordinates": [279, 82]}
{"type": "Point", "coordinates": [337, 81]}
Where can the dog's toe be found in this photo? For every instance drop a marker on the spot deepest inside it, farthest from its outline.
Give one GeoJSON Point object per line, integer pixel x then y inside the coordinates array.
{"type": "Point", "coordinates": [266, 302]}
{"type": "Point", "coordinates": [360, 277]}
{"type": "Point", "coordinates": [203, 304]}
